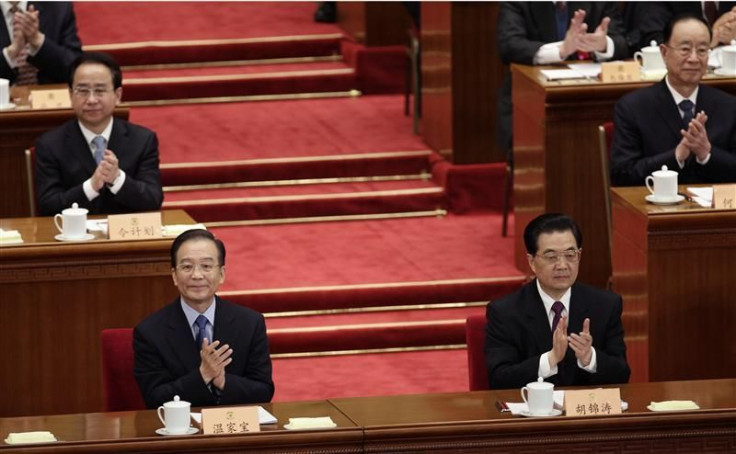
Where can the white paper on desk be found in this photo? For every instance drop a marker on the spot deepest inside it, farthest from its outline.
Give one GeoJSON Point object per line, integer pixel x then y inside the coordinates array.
{"type": "Point", "coordinates": [264, 417]}
{"type": "Point", "coordinates": [561, 74]}
{"type": "Point", "coordinates": [589, 70]}
{"type": "Point", "coordinates": [97, 225]}
{"type": "Point", "coordinates": [702, 196]}
{"type": "Point", "coordinates": [559, 399]}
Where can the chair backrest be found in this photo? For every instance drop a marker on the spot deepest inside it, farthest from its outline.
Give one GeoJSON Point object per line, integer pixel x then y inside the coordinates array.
{"type": "Point", "coordinates": [30, 155]}
{"type": "Point", "coordinates": [119, 389]}
{"type": "Point", "coordinates": [475, 337]}
{"type": "Point", "coordinates": [605, 137]}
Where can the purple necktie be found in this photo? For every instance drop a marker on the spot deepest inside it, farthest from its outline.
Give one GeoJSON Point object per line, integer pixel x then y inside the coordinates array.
{"type": "Point", "coordinates": [557, 308]}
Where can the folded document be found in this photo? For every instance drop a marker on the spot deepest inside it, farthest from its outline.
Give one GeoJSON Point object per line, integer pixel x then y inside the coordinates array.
{"type": "Point", "coordinates": [30, 437]}
{"type": "Point", "coordinates": [10, 237]}
{"type": "Point", "coordinates": [673, 405]}
{"type": "Point", "coordinates": [324, 422]}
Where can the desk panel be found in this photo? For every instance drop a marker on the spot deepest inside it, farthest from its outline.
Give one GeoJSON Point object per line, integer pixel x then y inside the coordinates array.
{"type": "Point", "coordinates": [58, 297]}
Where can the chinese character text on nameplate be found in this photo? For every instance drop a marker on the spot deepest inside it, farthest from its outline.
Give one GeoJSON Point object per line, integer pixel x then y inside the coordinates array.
{"type": "Point", "coordinates": [230, 420]}
{"type": "Point", "coordinates": [136, 226]}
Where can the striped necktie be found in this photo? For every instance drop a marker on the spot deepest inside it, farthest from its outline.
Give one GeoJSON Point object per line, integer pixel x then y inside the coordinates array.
{"type": "Point", "coordinates": [27, 73]}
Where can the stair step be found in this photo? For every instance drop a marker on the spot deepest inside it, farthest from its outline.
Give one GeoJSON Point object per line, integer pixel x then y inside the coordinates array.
{"type": "Point", "coordinates": [301, 201]}
{"type": "Point", "coordinates": [207, 50]}
{"type": "Point", "coordinates": [163, 74]}
{"type": "Point", "coordinates": [296, 168]}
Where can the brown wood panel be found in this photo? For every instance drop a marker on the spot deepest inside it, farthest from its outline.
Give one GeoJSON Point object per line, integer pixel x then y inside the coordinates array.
{"type": "Point", "coordinates": [59, 297]}
{"type": "Point", "coordinates": [375, 23]}
{"type": "Point", "coordinates": [461, 78]}
{"type": "Point", "coordinates": [673, 265]}
{"type": "Point", "coordinates": [555, 123]}
{"type": "Point", "coordinates": [426, 423]}
{"type": "Point", "coordinates": [19, 130]}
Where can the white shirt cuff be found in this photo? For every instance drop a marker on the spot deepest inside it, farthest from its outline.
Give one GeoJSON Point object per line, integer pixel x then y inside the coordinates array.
{"type": "Point", "coordinates": [704, 161]}
{"type": "Point", "coordinates": [88, 191]}
{"type": "Point", "coordinates": [548, 53]}
{"type": "Point", "coordinates": [32, 51]}
{"type": "Point", "coordinates": [118, 182]}
{"type": "Point", "coordinates": [544, 370]}
{"type": "Point", "coordinates": [11, 62]}
{"type": "Point", "coordinates": [593, 366]}
{"type": "Point", "coordinates": [608, 54]}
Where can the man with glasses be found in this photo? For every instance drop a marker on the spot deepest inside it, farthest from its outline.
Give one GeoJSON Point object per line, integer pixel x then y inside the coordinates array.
{"type": "Point", "coordinates": [201, 348]}
{"type": "Point", "coordinates": [104, 164]}
{"type": "Point", "coordinates": [689, 127]}
{"type": "Point", "coordinates": [568, 333]}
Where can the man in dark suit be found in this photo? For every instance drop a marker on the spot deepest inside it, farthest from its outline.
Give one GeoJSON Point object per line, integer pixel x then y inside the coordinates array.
{"type": "Point", "coordinates": [689, 127]}
{"type": "Point", "coordinates": [568, 333]}
{"type": "Point", "coordinates": [42, 35]}
{"type": "Point", "coordinates": [200, 347]}
{"type": "Point", "coordinates": [104, 164]}
{"type": "Point", "coordinates": [540, 33]}
{"type": "Point", "coordinates": [720, 16]}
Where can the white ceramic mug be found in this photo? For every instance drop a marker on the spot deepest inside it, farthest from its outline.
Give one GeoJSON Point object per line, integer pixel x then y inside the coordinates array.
{"type": "Point", "coordinates": [4, 92]}
{"type": "Point", "coordinates": [650, 58]}
{"type": "Point", "coordinates": [539, 397]}
{"type": "Point", "coordinates": [728, 58]}
{"type": "Point", "coordinates": [176, 416]}
{"type": "Point", "coordinates": [73, 222]}
{"type": "Point", "coordinates": [662, 183]}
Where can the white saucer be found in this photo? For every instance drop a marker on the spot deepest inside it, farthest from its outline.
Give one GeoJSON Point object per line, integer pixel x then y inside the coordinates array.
{"type": "Point", "coordinates": [721, 72]}
{"type": "Point", "coordinates": [86, 237]}
{"type": "Point", "coordinates": [671, 201]}
{"type": "Point", "coordinates": [7, 106]}
{"type": "Point", "coordinates": [190, 431]}
{"type": "Point", "coordinates": [555, 412]}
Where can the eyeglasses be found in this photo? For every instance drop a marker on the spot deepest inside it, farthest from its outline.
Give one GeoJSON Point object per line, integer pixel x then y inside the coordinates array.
{"type": "Point", "coordinates": [686, 51]}
{"type": "Point", "coordinates": [570, 256]}
{"type": "Point", "coordinates": [205, 268]}
{"type": "Point", "coordinates": [84, 92]}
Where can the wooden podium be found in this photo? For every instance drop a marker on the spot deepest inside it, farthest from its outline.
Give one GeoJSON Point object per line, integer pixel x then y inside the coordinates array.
{"type": "Point", "coordinates": [674, 268]}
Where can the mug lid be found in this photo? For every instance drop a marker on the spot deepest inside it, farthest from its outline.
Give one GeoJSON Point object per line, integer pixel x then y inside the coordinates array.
{"type": "Point", "coordinates": [665, 172]}
{"type": "Point", "coordinates": [176, 403]}
{"type": "Point", "coordinates": [75, 210]}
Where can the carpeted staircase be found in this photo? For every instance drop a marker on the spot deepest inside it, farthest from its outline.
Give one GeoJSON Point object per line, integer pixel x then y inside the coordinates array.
{"type": "Point", "coordinates": [334, 214]}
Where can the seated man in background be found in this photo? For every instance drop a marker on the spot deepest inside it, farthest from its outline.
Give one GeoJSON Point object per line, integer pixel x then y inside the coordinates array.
{"type": "Point", "coordinates": [677, 122]}
{"type": "Point", "coordinates": [203, 349]}
{"type": "Point", "coordinates": [104, 164]}
{"type": "Point", "coordinates": [720, 16]}
{"type": "Point", "coordinates": [541, 33]}
{"type": "Point", "coordinates": [568, 333]}
{"type": "Point", "coordinates": [39, 42]}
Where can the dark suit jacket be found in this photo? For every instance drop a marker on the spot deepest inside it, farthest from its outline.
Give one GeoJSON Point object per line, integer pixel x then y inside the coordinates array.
{"type": "Point", "coordinates": [524, 27]}
{"type": "Point", "coordinates": [518, 333]}
{"type": "Point", "coordinates": [60, 47]}
{"type": "Point", "coordinates": [167, 357]}
{"type": "Point", "coordinates": [660, 13]}
{"type": "Point", "coordinates": [64, 161]}
{"type": "Point", "coordinates": [647, 131]}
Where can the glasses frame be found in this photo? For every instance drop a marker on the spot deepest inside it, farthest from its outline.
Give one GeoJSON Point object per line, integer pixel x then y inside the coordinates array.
{"type": "Point", "coordinates": [86, 92]}
{"type": "Point", "coordinates": [686, 51]}
{"type": "Point", "coordinates": [568, 255]}
{"type": "Point", "coordinates": [183, 268]}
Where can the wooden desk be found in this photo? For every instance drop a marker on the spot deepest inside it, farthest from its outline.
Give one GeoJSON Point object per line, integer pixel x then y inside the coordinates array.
{"type": "Point", "coordinates": [426, 423]}
{"type": "Point", "coordinates": [673, 266]}
{"type": "Point", "coordinates": [19, 130]}
{"type": "Point", "coordinates": [56, 298]}
{"type": "Point", "coordinates": [557, 159]}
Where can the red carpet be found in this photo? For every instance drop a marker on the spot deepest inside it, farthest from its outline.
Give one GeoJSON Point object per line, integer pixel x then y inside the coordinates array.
{"type": "Point", "coordinates": [122, 22]}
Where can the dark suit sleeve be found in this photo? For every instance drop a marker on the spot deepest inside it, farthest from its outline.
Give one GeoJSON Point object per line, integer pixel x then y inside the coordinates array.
{"type": "Point", "coordinates": [142, 188]}
{"type": "Point", "coordinates": [507, 368]}
{"type": "Point", "coordinates": [52, 193]}
{"type": "Point", "coordinates": [255, 384]}
{"type": "Point", "coordinates": [156, 382]}
{"type": "Point", "coordinates": [611, 350]}
{"type": "Point", "coordinates": [616, 29]}
{"type": "Point", "coordinates": [629, 165]}
{"type": "Point", "coordinates": [60, 47]}
{"type": "Point", "coordinates": [514, 43]}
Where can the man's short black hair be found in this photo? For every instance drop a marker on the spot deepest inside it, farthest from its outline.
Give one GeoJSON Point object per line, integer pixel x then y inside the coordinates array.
{"type": "Point", "coordinates": [549, 223]}
{"type": "Point", "coordinates": [682, 18]}
{"type": "Point", "coordinates": [102, 59]}
{"type": "Point", "coordinates": [197, 234]}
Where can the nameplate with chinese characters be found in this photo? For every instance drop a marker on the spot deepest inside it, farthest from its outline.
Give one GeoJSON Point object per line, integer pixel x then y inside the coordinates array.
{"type": "Point", "coordinates": [593, 402]}
{"type": "Point", "coordinates": [137, 226]}
{"type": "Point", "coordinates": [724, 196]}
{"type": "Point", "coordinates": [230, 420]}
{"type": "Point", "coordinates": [50, 99]}
{"type": "Point", "coordinates": [620, 71]}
